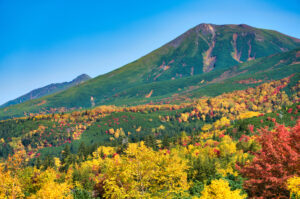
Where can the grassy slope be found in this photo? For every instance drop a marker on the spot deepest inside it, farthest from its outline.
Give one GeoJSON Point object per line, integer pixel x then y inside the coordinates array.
{"type": "Point", "coordinates": [264, 69]}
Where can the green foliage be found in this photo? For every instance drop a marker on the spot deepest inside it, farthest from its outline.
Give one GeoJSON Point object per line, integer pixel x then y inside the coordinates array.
{"type": "Point", "coordinates": [81, 194]}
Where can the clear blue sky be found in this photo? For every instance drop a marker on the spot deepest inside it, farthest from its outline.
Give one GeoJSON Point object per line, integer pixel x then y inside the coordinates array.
{"type": "Point", "coordinates": [47, 41]}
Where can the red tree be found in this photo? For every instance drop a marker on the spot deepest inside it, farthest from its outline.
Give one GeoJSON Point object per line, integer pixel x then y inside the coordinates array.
{"type": "Point", "coordinates": [278, 160]}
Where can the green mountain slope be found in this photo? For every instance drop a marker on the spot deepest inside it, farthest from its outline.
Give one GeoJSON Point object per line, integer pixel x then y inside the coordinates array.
{"type": "Point", "coordinates": [204, 52]}
{"type": "Point", "coordinates": [47, 90]}
{"type": "Point", "coordinates": [238, 77]}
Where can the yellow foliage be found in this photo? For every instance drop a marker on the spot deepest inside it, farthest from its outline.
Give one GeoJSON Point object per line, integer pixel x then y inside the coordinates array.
{"type": "Point", "coordinates": [184, 117]}
{"type": "Point", "coordinates": [206, 127]}
{"type": "Point", "coordinates": [57, 162]}
{"type": "Point", "coordinates": [117, 134]}
{"type": "Point", "coordinates": [10, 187]}
{"type": "Point", "coordinates": [49, 188]}
{"type": "Point", "coordinates": [219, 189]}
{"type": "Point", "coordinates": [134, 176]}
{"type": "Point", "coordinates": [161, 127]}
{"type": "Point", "coordinates": [53, 190]}
{"type": "Point", "coordinates": [293, 185]}
{"type": "Point", "coordinates": [221, 122]}
{"type": "Point", "coordinates": [111, 131]}
{"type": "Point", "coordinates": [106, 150]}
{"type": "Point", "coordinates": [138, 129]}
{"type": "Point", "coordinates": [248, 114]}
{"type": "Point", "coordinates": [227, 146]}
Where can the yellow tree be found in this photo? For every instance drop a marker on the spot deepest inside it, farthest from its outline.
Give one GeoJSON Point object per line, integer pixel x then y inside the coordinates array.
{"type": "Point", "coordinates": [219, 189]}
{"type": "Point", "coordinates": [50, 188]}
{"type": "Point", "coordinates": [144, 173]}
{"type": "Point", "coordinates": [10, 187]}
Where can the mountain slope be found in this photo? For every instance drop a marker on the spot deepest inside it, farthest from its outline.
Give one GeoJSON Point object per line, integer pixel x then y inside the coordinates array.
{"type": "Point", "coordinates": [238, 77]}
{"type": "Point", "coordinates": [46, 90]}
{"type": "Point", "coordinates": [203, 50]}
{"type": "Point", "coordinates": [214, 83]}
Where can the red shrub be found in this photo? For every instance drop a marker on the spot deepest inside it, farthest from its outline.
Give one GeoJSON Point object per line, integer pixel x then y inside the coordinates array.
{"type": "Point", "coordinates": [277, 161]}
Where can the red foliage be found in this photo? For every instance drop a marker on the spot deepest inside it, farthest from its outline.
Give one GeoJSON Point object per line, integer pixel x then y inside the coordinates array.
{"type": "Point", "coordinates": [216, 151]}
{"type": "Point", "coordinates": [277, 161]}
{"type": "Point", "coordinates": [244, 138]}
{"type": "Point", "coordinates": [251, 128]}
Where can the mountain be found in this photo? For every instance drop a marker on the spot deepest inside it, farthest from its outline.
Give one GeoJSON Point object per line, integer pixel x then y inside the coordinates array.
{"type": "Point", "coordinates": [207, 53]}
{"type": "Point", "coordinates": [46, 90]}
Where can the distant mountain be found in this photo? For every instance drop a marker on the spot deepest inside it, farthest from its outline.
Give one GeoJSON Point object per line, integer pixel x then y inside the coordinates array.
{"type": "Point", "coordinates": [47, 90]}
{"type": "Point", "coordinates": [204, 52]}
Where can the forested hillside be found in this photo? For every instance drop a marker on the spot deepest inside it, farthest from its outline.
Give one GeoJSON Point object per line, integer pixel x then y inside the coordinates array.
{"type": "Point", "coordinates": [238, 144]}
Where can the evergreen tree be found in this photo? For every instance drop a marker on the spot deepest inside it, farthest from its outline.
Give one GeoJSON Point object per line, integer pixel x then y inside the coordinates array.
{"type": "Point", "coordinates": [48, 162]}
{"type": "Point", "coordinates": [151, 142]}
{"type": "Point", "coordinates": [82, 151]}
{"type": "Point", "coordinates": [38, 163]}
{"type": "Point", "coordinates": [166, 142]}
{"type": "Point", "coordinates": [66, 158]}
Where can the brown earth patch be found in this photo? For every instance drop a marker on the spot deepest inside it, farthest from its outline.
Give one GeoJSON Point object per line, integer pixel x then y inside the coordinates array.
{"type": "Point", "coordinates": [192, 71]}
{"type": "Point", "coordinates": [157, 76]}
{"type": "Point", "coordinates": [41, 103]}
{"type": "Point", "coordinates": [235, 54]}
{"type": "Point", "coordinates": [295, 62]}
{"type": "Point", "coordinates": [166, 67]}
{"type": "Point", "coordinates": [149, 94]}
{"type": "Point", "coordinates": [249, 52]}
{"type": "Point", "coordinates": [162, 65]}
{"type": "Point", "coordinates": [172, 61]}
{"type": "Point", "coordinates": [208, 60]}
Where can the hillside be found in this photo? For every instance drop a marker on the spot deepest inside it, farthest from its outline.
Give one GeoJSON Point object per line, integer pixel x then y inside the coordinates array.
{"type": "Point", "coordinates": [47, 90]}
{"type": "Point", "coordinates": [204, 52]}
{"type": "Point", "coordinates": [221, 143]}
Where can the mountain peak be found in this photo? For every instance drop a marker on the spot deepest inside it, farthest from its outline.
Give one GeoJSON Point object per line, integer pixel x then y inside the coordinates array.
{"type": "Point", "coordinates": [81, 78]}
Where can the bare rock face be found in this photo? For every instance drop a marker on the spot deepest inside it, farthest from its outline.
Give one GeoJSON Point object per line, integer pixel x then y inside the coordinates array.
{"type": "Point", "coordinates": [206, 29]}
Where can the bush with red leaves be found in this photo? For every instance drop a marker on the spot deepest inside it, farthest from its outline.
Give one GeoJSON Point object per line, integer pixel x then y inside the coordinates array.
{"type": "Point", "coordinates": [278, 160]}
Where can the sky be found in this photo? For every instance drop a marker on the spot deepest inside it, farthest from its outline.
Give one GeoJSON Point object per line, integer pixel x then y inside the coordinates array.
{"type": "Point", "coordinates": [52, 41]}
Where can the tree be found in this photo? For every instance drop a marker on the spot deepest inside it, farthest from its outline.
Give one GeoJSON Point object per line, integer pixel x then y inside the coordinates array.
{"type": "Point", "coordinates": [219, 189]}
{"type": "Point", "coordinates": [48, 162]}
{"type": "Point", "coordinates": [66, 159]}
{"type": "Point", "coordinates": [49, 188]}
{"type": "Point", "coordinates": [293, 185]}
{"type": "Point", "coordinates": [82, 151]}
{"type": "Point", "coordinates": [277, 161]}
{"type": "Point", "coordinates": [144, 173]}
{"type": "Point", "coordinates": [38, 162]}
{"type": "Point", "coordinates": [166, 142]}
{"type": "Point", "coordinates": [151, 142]}
{"type": "Point", "coordinates": [10, 186]}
